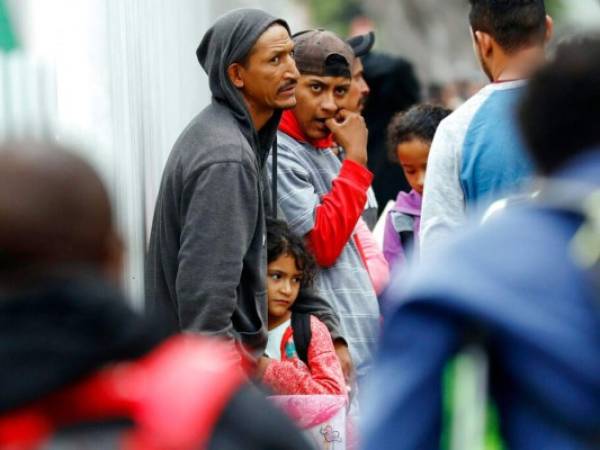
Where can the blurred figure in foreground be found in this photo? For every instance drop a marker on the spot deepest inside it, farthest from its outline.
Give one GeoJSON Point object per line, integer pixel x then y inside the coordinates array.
{"type": "Point", "coordinates": [523, 287]}
{"type": "Point", "coordinates": [80, 369]}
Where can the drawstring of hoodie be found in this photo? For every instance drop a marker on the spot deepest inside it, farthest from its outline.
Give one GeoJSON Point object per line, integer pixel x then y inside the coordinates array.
{"type": "Point", "coordinates": [274, 181]}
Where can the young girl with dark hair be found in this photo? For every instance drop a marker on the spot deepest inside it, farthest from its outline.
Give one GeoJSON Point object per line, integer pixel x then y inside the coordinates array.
{"type": "Point", "coordinates": [300, 357]}
{"type": "Point", "coordinates": [409, 138]}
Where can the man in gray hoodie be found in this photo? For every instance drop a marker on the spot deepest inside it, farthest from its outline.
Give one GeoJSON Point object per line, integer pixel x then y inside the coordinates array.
{"type": "Point", "coordinates": [206, 264]}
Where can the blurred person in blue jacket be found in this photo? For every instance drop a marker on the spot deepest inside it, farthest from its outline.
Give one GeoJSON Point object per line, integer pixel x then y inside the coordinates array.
{"type": "Point", "coordinates": [524, 287]}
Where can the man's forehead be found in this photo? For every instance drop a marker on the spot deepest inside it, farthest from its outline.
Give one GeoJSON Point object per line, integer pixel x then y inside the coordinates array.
{"type": "Point", "coordinates": [274, 36]}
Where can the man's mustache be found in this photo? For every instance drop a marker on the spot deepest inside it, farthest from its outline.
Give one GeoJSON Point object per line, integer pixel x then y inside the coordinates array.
{"type": "Point", "coordinates": [288, 85]}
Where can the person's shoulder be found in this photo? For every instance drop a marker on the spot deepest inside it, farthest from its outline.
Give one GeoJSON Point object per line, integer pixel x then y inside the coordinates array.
{"type": "Point", "coordinates": [213, 136]}
{"type": "Point", "coordinates": [505, 234]}
{"type": "Point", "coordinates": [319, 332]}
{"type": "Point", "coordinates": [515, 249]}
{"type": "Point", "coordinates": [317, 325]}
{"type": "Point", "coordinates": [289, 146]}
{"type": "Point", "coordinates": [459, 120]}
{"type": "Point", "coordinates": [290, 152]}
{"type": "Point", "coordinates": [412, 199]}
{"type": "Point", "coordinates": [496, 109]}
{"type": "Point", "coordinates": [512, 270]}
{"type": "Point", "coordinates": [213, 126]}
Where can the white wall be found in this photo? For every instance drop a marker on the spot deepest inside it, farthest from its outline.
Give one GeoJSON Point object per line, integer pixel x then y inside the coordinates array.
{"type": "Point", "coordinates": [121, 81]}
{"type": "Point", "coordinates": [125, 82]}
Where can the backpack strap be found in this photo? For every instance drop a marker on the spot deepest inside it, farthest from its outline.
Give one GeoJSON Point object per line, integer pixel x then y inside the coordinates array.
{"type": "Point", "coordinates": [302, 334]}
{"type": "Point", "coordinates": [274, 204]}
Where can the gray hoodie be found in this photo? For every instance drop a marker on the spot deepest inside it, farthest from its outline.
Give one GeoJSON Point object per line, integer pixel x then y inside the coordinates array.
{"type": "Point", "coordinates": [206, 263]}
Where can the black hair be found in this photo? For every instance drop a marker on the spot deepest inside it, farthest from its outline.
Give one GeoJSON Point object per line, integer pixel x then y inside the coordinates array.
{"type": "Point", "coordinates": [337, 66]}
{"type": "Point", "coordinates": [281, 241]}
{"type": "Point", "coordinates": [560, 111]}
{"type": "Point", "coordinates": [514, 24]}
{"type": "Point", "coordinates": [419, 122]}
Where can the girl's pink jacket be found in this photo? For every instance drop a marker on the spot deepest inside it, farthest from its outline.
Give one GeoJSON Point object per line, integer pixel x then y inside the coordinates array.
{"type": "Point", "coordinates": [323, 375]}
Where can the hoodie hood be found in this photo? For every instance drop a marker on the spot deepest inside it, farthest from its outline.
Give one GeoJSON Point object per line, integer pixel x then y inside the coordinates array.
{"type": "Point", "coordinates": [57, 333]}
{"type": "Point", "coordinates": [229, 40]}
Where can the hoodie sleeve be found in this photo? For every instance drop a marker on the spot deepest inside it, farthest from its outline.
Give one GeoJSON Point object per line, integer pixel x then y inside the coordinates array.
{"type": "Point", "coordinates": [217, 230]}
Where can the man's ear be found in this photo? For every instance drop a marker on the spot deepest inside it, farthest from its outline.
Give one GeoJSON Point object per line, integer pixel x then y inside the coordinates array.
{"type": "Point", "coordinates": [485, 42]}
{"type": "Point", "coordinates": [549, 29]}
{"type": "Point", "coordinates": [235, 71]}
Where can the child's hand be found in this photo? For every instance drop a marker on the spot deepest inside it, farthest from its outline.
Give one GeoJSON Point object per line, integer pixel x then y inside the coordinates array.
{"type": "Point", "coordinates": [341, 349]}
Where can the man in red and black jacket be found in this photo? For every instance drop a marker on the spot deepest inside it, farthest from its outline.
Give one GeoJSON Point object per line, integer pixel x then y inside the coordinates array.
{"type": "Point", "coordinates": [323, 198]}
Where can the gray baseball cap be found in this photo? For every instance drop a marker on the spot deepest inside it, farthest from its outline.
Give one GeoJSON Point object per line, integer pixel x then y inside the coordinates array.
{"type": "Point", "coordinates": [322, 53]}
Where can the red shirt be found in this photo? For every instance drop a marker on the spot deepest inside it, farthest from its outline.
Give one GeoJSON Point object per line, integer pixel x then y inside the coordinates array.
{"type": "Point", "coordinates": [340, 209]}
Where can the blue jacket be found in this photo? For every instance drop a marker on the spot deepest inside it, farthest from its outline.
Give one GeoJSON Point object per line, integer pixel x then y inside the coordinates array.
{"type": "Point", "coordinates": [515, 281]}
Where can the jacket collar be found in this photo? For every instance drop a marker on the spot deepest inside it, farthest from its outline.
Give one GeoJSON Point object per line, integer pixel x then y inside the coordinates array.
{"type": "Point", "coordinates": [289, 125]}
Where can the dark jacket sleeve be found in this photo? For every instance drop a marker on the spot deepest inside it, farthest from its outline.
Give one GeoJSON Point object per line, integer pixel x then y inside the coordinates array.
{"type": "Point", "coordinates": [309, 302]}
{"type": "Point", "coordinates": [219, 217]}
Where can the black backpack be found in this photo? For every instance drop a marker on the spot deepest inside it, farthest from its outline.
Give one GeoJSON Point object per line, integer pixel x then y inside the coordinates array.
{"type": "Point", "coordinates": [302, 334]}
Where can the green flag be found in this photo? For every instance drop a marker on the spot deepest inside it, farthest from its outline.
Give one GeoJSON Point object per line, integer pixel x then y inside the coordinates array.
{"type": "Point", "coordinates": [8, 40]}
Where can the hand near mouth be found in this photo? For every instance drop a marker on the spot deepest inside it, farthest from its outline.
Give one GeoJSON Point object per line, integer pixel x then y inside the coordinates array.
{"type": "Point", "coordinates": [350, 131]}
